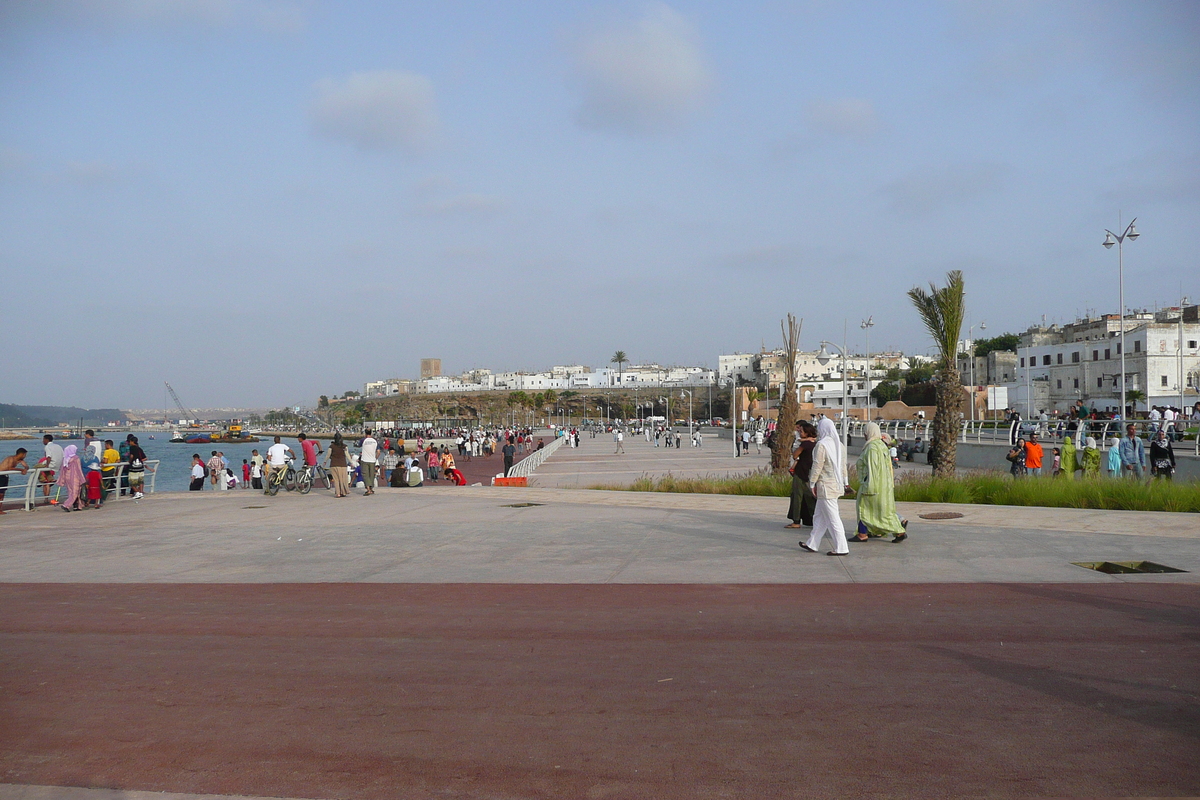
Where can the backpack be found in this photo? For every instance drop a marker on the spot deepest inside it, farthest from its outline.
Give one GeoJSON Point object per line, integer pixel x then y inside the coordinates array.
{"type": "Point", "coordinates": [206, 473]}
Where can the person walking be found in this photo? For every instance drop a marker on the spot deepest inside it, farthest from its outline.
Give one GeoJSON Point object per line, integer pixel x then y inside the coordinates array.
{"type": "Point", "coordinates": [1133, 453]}
{"type": "Point", "coordinates": [70, 477]}
{"type": "Point", "coordinates": [509, 451]}
{"type": "Point", "coordinates": [368, 455]}
{"type": "Point", "coordinates": [800, 512]}
{"type": "Point", "coordinates": [620, 437]}
{"type": "Point", "coordinates": [1162, 455]}
{"type": "Point", "coordinates": [876, 499]}
{"type": "Point", "coordinates": [339, 466]}
{"type": "Point", "coordinates": [827, 481]}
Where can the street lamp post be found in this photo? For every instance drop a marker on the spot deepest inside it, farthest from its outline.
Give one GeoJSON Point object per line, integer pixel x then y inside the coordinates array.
{"type": "Point", "coordinates": [971, 355]}
{"type": "Point", "coordinates": [824, 358]}
{"type": "Point", "coordinates": [682, 392]}
{"type": "Point", "coordinates": [1109, 240]}
{"type": "Point", "coordinates": [866, 325]}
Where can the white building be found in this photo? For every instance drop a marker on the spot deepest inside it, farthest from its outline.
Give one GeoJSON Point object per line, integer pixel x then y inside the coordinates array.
{"type": "Point", "coordinates": [1082, 361]}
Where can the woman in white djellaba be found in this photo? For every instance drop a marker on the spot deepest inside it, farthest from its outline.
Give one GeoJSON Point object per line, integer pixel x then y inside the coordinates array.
{"type": "Point", "coordinates": [827, 481]}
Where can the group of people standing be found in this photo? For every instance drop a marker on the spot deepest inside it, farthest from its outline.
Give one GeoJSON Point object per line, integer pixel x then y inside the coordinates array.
{"type": "Point", "coordinates": [820, 477]}
{"type": "Point", "coordinates": [82, 477]}
{"type": "Point", "coordinates": [1127, 456]}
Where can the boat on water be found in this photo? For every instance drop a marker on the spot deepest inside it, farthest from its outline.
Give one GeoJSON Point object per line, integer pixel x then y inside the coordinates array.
{"type": "Point", "coordinates": [212, 437]}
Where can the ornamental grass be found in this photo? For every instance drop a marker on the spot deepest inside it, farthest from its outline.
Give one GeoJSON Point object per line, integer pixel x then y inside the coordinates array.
{"type": "Point", "coordinates": [985, 488]}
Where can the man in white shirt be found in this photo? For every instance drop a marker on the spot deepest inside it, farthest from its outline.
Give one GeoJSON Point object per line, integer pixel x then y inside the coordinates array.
{"type": "Point", "coordinates": [52, 460]}
{"type": "Point", "coordinates": [277, 458]}
{"type": "Point", "coordinates": [367, 459]}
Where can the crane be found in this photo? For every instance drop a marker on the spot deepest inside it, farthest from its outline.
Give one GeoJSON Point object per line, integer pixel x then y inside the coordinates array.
{"type": "Point", "coordinates": [187, 414]}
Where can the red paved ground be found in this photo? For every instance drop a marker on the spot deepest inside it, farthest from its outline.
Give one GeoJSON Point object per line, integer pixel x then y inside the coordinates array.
{"type": "Point", "coordinates": [421, 691]}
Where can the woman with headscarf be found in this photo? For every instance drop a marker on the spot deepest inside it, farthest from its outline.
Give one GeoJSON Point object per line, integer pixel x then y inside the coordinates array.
{"type": "Point", "coordinates": [803, 503]}
{"type": "Point", "coordinates": [876, 500]}
{"type": "Point", "coordinates": [1067, 461]}
{"type": "Point", "coordinates": [1162, 456]}
{"type": "Point", "coordinates": [339, 466]}
{"type": "Point", "coordinates": [1113, 464]}
{"type": "Point", "coordinates": [1091, 458]}
{"type": "Point", "coordinates": [827, 480]}
{"type": "Point", "coordinates": [70, 477]}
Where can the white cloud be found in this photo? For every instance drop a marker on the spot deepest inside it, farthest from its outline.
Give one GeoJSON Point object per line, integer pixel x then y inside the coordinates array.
{"type": "Point", "coordinates": [381, 110]}
{"type": "Point", "coordinates": [927, 190]}
{"type": "Point", "coordinates": [849, 117]}
{"type": "Point", "coordinates": [647, 76]}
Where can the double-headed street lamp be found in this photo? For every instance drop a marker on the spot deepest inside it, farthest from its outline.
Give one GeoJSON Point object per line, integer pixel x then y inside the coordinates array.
{"type": "Point", "coordinates": [1109, 240]}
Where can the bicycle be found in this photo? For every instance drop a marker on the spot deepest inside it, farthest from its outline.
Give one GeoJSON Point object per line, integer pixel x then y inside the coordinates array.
{"type": "Point", "coordinates": [310, 474]}
{"type": "Point", "coordinates": [281, 477]}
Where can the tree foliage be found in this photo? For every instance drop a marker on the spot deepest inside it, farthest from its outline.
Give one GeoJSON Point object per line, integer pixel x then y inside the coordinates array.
{"type": "Point", "coordinates": [1005, 341]}
{"type": "Point", "coordinates": [942, 310]}
{"type": "Point", "coordinates": [884, 392]}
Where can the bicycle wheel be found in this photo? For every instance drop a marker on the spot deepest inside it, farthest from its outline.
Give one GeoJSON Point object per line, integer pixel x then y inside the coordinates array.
{"type": "Point", "coordinates": [304, 481]}
{"type": "Point", "coordinates": [273, 481]}
{"type": "Point", "coordinates": [323, 480]}
{"type": "Point", "coordinates": [290, 480]}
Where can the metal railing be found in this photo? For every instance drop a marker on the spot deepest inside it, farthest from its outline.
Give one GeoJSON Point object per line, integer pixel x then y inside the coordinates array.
{"type": "Point", "coordinates": [1002, 432]}
{"type": "Point", "coordinates": [526, 466]}
{"type": "Point", "coordinates": [32, 494]}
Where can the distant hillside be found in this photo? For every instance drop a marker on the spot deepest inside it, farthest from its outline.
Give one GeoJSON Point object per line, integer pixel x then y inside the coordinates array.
{"type": "Point", "coordinates": [15, 416]}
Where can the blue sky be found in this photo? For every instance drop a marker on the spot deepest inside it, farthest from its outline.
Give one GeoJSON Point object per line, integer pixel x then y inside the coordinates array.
{"type": "Point", "coordinates": [261, 202]}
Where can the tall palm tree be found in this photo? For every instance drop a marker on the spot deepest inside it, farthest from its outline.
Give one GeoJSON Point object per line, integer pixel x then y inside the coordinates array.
{"type": "Point", "coordinates": [619, 358]}
{"type": "Point", "coordinates": [942, 310]}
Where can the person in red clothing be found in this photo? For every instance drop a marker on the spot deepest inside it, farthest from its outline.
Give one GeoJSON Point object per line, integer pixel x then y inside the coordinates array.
{"type": "Point", "coordinates": [1033, 455]}
{"type": "Point", "coordinates": [452, 474]}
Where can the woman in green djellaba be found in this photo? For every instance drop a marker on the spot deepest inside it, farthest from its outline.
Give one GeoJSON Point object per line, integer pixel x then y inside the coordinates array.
{"type": "Point", "coordinates": [1068, 463]}
{"type": "Point", "coordinates": [876, 501]}
{"type": "Point", "coordinates": [1091, 459]}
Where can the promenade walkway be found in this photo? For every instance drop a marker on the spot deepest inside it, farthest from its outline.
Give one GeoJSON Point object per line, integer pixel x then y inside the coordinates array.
{"type": "Point", "coordinates": [480, 642]}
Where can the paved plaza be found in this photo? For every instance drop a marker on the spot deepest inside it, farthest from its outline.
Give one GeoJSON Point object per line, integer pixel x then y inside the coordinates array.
{"type": "Point", "coordinates": [482, 642]}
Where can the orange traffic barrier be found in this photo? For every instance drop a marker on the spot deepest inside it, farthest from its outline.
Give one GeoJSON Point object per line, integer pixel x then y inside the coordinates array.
{"type": "Point", "coordinates": [510, 481]}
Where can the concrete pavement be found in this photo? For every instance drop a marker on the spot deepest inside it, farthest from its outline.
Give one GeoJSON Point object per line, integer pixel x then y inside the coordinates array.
{"type": "Point", "coordinates": [546, 642]}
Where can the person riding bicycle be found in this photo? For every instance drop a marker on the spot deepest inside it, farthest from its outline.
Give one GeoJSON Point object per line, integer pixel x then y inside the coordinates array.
{"type": "Point", "coordinates": [312, 448]}
{"type": "Point", "coordinates": [277, 459]}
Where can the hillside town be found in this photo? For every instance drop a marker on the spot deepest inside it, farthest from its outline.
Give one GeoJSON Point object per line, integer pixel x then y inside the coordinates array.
{"type": "Point", "coordinates": [1046, 369]}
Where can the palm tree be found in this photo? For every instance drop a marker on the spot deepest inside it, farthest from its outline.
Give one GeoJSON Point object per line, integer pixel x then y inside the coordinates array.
{"type": "Point", "coordinates": [942, 310]}
{"type": "Point", "coordinates": [619, 358]}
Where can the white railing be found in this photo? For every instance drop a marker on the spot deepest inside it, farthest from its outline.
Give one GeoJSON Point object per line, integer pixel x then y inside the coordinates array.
{"type": "Point", "coordinates": [32, 493]}
{"type": "Point", "coordinates": [1002, 432]}
{"type": "Point", "coordinates": [525, 467]}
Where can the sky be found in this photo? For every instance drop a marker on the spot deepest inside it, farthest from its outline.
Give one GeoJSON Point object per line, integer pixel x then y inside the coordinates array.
{"type": "Point", "coordinates": [262, 201]}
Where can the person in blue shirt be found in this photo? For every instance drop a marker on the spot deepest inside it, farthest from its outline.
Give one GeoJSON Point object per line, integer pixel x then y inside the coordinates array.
{"type": "Point", "coordinates": [1133, 453]}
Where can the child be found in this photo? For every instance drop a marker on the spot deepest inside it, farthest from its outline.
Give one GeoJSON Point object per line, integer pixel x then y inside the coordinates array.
{"type": "Point", "coordinates": [1056, 468]}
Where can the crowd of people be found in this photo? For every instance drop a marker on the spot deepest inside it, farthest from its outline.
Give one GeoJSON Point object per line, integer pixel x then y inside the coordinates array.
{"type": "Point", "coordinates": [385, 458]}
{"type": "Point", "coordinates": [1128, 456]}
{"type": "Point", "coordinates": [84, 476]}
